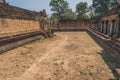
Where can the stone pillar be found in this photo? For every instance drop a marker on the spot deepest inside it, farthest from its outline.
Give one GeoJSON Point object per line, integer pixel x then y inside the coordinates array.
{"type": "Point", "coordinates": [101, 27]}
{"type": "Point", "coordinates": [119, 26]}
{"type": "Point", "coordinates": [93, 25]}
{"type": "Point", "coordinates": [104, 28]}
{"type": "Point", "coordinates": [96, 26]}
{"type": "Point", "coordinates": [108, 29]}
{"type": "Point", "coordinates": [116, 29]}
{"type": "Point", "coordinates": [111, 29]}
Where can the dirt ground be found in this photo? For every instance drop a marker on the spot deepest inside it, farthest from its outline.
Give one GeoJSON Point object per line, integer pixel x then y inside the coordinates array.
{"type": "Point", "coordinates": [66, 56]}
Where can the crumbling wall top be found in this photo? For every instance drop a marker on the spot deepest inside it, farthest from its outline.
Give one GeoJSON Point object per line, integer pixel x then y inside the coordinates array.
{"type": "Point", "coordinates": [2, 1]}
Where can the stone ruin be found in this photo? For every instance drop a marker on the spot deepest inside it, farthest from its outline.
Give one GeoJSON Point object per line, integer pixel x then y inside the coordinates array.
{"type": "Point", "coordinates": [2, 1]}
{"type": "Point", "coordinates": [8, 11]}
{"type": "Point", "coordinates": [19, 26]}
{"type": "Point", "coordinates": [106, 31]}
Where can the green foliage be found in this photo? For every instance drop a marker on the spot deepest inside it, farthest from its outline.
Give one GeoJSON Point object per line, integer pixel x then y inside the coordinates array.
{"type": "Point", "coordinates": [82, 10]}
{"type": "Point", "coordinates": [61, 10]}
{"type": "Point", "coordinates": [55, 16]}
{"type": "Point", "coordinates": [102, 6]}
{"type": "Point", "coordinates": [69, 14]}
{"type": "Point", "coordinates": [59, 7]}
{"type": "Point", "coordinates": [91, 11]}
{"type": "Point", "coordinates": [90, 73]}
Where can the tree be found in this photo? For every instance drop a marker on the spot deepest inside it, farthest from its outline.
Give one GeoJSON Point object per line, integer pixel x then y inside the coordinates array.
{"type": "Point", "coordinates": [92, 11]}
{"type": "Point", "coordinates": [54, 16]}
{"type": "Point", "coordinates": [102, 6]}
{"type": "Point", "coordinates": [59, 7]}
{"type": "Point", "coordinates": [69, 14]}
{"type": "Point", "coordinates": [82, 10]}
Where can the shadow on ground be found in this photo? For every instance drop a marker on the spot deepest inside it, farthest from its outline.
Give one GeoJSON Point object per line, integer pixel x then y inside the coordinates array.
{"type": "Point", "coordinates": [106, 55]}
{"type": "Point", "coordinates": [110, 61]}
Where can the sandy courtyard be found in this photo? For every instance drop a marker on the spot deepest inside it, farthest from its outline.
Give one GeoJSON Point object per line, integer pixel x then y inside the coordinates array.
{"type": "Point", "coordinates": [66, 56]}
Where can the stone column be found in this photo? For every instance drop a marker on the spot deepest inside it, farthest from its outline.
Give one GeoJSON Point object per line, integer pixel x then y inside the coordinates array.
{"type": "Point", "coordinates": [119, 26]}
{"type": "Point", "coordinates": [111, 29]}
{"type": "Point", "coordinates": [93, 25]}
{"type": "Point", "coordinates": [101, 27]}
{"type": "Point", "coordinates": [96, 26]}
{"type": "Point", "coordinates": [108, 29]}
{"type": "Point", "coordinates": [116, 29]}
{"type": "Point", "coordinates": [104, 28]}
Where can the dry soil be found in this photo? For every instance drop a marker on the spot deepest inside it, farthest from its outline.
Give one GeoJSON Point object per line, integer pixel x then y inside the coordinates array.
{"type": "Point", "coordinates": [66, 56]}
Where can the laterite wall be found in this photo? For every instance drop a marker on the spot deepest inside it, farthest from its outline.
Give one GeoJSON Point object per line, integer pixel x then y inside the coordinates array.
{"type": "Point", "coordinates": [17, 25]}
{"type": "Point", "coordinates": [14, 19]}
{"type": "Point", "coordinates": [74, 23]}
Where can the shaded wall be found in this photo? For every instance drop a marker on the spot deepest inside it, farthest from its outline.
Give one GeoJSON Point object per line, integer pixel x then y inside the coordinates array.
{"type": "Point", "coordinates": [107, 24]}
{"type": "Point", "coordinates": [105, 30]}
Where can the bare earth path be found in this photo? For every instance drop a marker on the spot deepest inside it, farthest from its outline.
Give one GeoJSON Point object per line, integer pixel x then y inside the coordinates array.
{"type": "Point", "coordinates": [67, 56]}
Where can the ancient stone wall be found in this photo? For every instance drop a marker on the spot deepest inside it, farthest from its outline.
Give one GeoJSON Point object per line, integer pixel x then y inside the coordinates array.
{"type": "Point", "coordinates": [12, 12]}
{"type": "Point", "coordinates": [73, 24]}
{"type": "Point", "coordinates": [107, 24]}
{"type": "Point", "coordinates": [2, 1]}
{"type": "Point", "coordinates": [14, 19]}
{"type": "Point", "coordinates": [17, 25]}
{"type": "Point", "coordinates": [105, 30]}
{"type": "Point", "coordinates": [20, 26]}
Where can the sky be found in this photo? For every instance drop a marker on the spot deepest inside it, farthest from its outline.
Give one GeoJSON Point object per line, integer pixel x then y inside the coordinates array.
{"type": "Point", "coordinates": [38, 5]}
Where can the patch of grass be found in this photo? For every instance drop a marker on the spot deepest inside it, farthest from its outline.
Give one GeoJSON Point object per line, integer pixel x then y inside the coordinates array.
{"type": "Point", "coordinates": [90, 73]}
{"type": "Point", "coordinates": [55, 74]}
{"type": "Point", "coordinates": [62, 62]}
{"type": "Point", "coordinates": [80, 72]}
{"type": "Point", "coordinates": [55, 64]}
{"type": "Point", "coordinates": [91, 66]}
{"type": "Point", "coordinates": [72, 47]}
{"type": "Point", "coordinates": [24, 53]}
